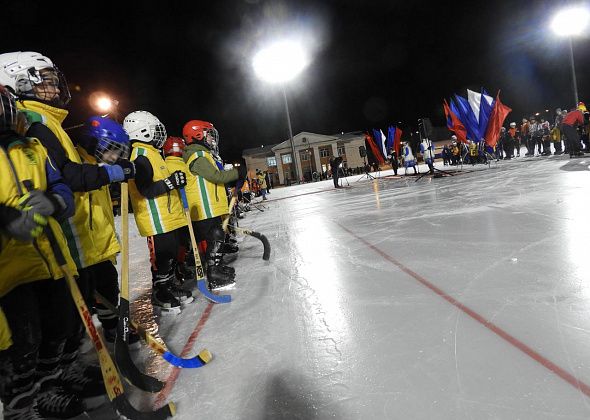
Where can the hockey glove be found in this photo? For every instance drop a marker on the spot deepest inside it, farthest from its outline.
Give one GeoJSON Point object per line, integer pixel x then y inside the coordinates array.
{"type": "Point", "coordinates": [115, 173]}
{"type": "Point", "coordinates": [128, 168]}
{"type": "Point", "coordinates": [176, 180]}
{"type": "Point", "coordinates": [45, 204]}
{"type": "Point", "coordinates": [22, 225]}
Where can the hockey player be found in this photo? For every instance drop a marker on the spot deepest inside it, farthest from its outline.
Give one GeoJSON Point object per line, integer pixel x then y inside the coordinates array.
{"type": "Point", "coordinates": [33, 292]}
{"type": "Point", "coordinates": [202, 144]}
{"type": "Point", "coordinates": [43, 96]}
{"type": "Point", "coordinates": [570, 121]}
{"type": "Point", "coordinates": [157, 208]}
{"type": "Point", "coordinates": [173, 149]}
{"type": "Point", "coordinates": [103, 141]}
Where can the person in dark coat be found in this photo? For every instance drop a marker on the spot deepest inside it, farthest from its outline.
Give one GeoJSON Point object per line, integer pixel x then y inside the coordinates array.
{"type": "Point", "coordinates": [334, 166]}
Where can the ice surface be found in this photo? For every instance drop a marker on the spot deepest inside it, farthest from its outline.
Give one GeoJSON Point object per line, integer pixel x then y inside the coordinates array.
{"type": "Point", "coordinates": [368, 307]}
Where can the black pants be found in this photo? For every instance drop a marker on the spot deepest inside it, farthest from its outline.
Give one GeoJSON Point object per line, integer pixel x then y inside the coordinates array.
{"type": "Point", "coordinates": [335, 177]}
{"type": "Point", "coordinates": [164, 249]}
{"type": "Point", "coordinates": [39, 317]}
{"type": "Point", "coordinates": [573, 139]}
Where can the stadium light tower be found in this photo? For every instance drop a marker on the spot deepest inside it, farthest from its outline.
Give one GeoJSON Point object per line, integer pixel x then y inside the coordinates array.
{"type": "Point", "coordinates": [279, 63]}
{"type": "Point", "coordinates": [571, 22]}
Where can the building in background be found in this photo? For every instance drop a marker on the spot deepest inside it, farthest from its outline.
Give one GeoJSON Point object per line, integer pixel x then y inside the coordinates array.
{"type": "Point", "coordinates": [312, 151]}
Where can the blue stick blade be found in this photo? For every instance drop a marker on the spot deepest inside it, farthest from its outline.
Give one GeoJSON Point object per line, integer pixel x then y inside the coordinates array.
{"type": "Point", "coordinates": [202, 285]}
{"type": "Point", "coordinates": [195, 362]}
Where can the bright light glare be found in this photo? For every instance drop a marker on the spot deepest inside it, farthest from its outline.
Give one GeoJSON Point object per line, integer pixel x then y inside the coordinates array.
{"type": "Point", "coordinates": [280, 62]}
{"type": "Point", "coordinates": [104, 104]}
{"type": "Point", "coordinates": [571, 21]}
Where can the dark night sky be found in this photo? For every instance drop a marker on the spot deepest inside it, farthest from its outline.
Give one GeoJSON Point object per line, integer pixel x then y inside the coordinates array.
{"type": "Point", "coordinates": [374, 62]}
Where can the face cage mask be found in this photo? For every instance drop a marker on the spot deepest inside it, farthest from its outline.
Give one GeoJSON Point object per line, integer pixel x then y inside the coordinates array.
{"type": "Point", "coordinates": [42, 85]}
{"type": "Point", "coordinates": [109, 151]}
{"type": "Point", "coordinates": [8, 112]}
{"type": "Point", "coordinates": [159, 135]}
{"type": "Point", "coordinates": [212, 139]}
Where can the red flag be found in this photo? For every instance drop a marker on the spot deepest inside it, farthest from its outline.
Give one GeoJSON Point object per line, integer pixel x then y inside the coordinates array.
{"type": "Point", "coordinates": [497, 117]}
{"type": "Point", "coordinates": [454, 124]}
{"type": "Point", "coordinates": [397, 140]}
{"type": "Point", "coordinates": [373, 146]}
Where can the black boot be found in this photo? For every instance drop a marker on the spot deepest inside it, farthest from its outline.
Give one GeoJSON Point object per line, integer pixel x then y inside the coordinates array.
{"type": "Point", "coordinates": [162, 296]}
{"type": "Point", "coordinates": [218, 278]}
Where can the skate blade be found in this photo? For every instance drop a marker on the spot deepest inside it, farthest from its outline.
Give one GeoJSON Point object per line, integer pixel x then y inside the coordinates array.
{"type": "Point", "coordinates": [93, 403]}
{"type": "Point", "coordinates": [167, 311]}
{"type": "Point", "coordinates": [187, 301]}
{"type": "Point", "coordinates": [228, 286]}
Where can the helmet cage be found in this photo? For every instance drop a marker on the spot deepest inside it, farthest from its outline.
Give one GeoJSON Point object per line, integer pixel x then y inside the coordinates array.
{"type": "Point", "coordinates": [110, 151]}
{"type": "Point", "coordinates": [8, 112]}
{"type": "Point", "coordinates": [42, 85]}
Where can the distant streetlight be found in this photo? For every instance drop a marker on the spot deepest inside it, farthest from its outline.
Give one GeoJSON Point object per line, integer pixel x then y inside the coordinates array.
{"type": "Point", "coordinates": [571, 22]}
{"type": "Point", "coordinates": [281, 62]}
{"type": "Point", "coordinates": [103, 103]}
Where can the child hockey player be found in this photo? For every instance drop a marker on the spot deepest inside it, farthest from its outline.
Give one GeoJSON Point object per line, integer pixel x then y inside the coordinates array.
{"type": "Point", "coordinates": [157, 207]}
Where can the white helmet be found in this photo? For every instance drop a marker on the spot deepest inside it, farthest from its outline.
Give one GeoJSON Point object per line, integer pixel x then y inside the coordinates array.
{"type": "Point", "coordinates": [145, 127]}
{"type": "Point", "coordinates": [512, 124]}
{"type": "Point", "coordinates": [454, 137]}
{"type": "Point", "coordinates": [30, 75]}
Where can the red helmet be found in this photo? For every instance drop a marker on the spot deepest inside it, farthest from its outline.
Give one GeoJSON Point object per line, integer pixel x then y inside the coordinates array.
{"type": "Point", "coordinates": [201, 131]}
{"type": "Point", "coordinates": [173, 146]}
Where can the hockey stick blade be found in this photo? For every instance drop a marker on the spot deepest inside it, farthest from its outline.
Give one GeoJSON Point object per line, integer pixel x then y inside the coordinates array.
{"type": "Point", "coordinates": [260, 237]}
{"type": "Point", "coordinates": [202, 286]}
{"type": "Point", "coordinates": [112, 380]}
{"type": "Point", "coordinates": [122, 357]}
{"type": "Point", "coordinates": [198, 361]}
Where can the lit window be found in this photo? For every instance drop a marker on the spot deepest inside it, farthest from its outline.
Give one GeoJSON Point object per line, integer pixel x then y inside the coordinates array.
{"type": "Point", "coordinates": [271, 161]}
{"type": "Point", "coordinates": [341, 151]}
{"type": "Point", "coordinates": [286, 159]}
{"type": "Point", "coordinates": [324, 152]}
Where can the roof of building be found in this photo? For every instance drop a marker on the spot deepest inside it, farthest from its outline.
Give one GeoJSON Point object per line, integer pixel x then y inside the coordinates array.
{"type": "Point", "coordinates": [306, 138]}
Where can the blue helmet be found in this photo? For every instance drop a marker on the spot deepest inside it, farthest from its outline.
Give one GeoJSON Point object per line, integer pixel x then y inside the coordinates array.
{"type": "Point", "coordinates": [112, 140]}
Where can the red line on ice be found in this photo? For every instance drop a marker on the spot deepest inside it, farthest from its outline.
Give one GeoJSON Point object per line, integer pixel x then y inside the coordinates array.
{"type": "Point", "coordinates": [171, 381]}
{"type": "Point", "coordinates": [572, 380]}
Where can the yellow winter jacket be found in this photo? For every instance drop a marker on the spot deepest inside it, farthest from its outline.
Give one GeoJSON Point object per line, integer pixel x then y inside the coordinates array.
{"type": "Point", "coordinates": [212, 197]}
{"type": "Point", "coordinates": [175, 163]}
{"type": "Point", "coordinates": [85, 230]}
{"type": "Point", "coordinates": [25, 262]}
{"type": "Point", "coordinates": [160, 214]}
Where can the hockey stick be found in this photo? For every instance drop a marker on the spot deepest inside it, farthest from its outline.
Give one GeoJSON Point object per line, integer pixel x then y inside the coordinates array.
{"type": "Point", "coordinates": [257, 235]}
{"type": "Point", "coordinates": [112, 380]}
{"type": "Point", "coordinates": [201, 281]}
{"type": "Point", "coordinates": [260, 237]}
{"type": "Point", "coordinates": [159, 347]}
{"type": "Point", "coordinates": [122, 356]}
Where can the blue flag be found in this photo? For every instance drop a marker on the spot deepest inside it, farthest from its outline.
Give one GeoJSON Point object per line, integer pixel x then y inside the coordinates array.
{"type": "Point", "coordinates": [485, 111]}
{"type": "Point", "coordinates": [467, 117]}
{"type": "Point", "coordinates": [378, 140]}
{"type": "Point", "coordinates": [390, 137]}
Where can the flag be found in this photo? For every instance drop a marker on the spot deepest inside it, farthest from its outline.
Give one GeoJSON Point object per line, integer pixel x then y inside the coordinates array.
{"type": "Point", "coordinates": [454, 124]}
{"type": "Point", "coordinates": [379, 141]}
{"type": "Point", "coordinates": [474, 100]}
{"type": "Point", "coordinates": [499, 114]}
{"type": "Point", "coordinates": [390, 137]}
{"type": "Point", "coordinates": [383, 140]}
{"type": "Point", "coordinates": [463, 110]}
{"type": "Point", "coordinates": [485, 111]}
{"type": "Point", "coordinates": [397, 140]}
{"type": "Point", "coordinates": [372, 146]}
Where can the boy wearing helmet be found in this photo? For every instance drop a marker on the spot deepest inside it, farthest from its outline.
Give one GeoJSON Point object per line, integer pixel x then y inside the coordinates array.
{"type": "Point", "coordinates": [33, 198]}
{"type": "Point", "coordinates": [157, 208]}
{"type": "Point", "coordinates": [173, 149]}
{"type": "Point", "coordinates": [42, 97]}
{"type": "Point", "coordinates": [201, 139]}
{"type": "Point", "coordinates": [571, 120]}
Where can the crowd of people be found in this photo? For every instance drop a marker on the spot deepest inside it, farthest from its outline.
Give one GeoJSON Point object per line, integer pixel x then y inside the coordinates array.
{"type": "Point", "coordinates": [55, 194]}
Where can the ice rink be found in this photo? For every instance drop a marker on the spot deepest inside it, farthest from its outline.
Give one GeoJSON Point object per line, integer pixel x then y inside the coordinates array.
{"type": "Point", "coordinates": [464, 297]}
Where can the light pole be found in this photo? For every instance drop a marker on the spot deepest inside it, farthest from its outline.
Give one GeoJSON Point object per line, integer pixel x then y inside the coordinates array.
{"type": "Point", "coordinates": [571, 22]}
{"type": "Point", "coordinates": [281, 62]}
